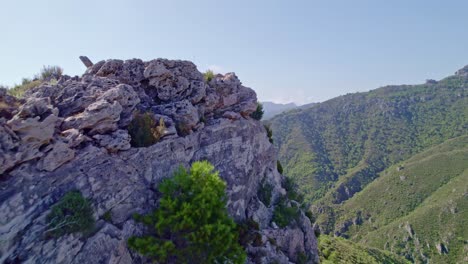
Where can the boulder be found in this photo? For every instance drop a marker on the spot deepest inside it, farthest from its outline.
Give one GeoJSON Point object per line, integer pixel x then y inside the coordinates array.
{"type": "Point", "coordinates": [99, 118]}
{"type": "Point", "coordinates": [118, 140]}
{"type": "Point", "coordinates": [183, 113]}
{"type": "Point", "coordinates": [59, 154]}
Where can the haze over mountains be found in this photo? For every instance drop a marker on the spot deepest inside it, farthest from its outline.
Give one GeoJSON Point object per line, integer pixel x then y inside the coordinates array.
{"type": "Point", "coordinates": [272, 109]}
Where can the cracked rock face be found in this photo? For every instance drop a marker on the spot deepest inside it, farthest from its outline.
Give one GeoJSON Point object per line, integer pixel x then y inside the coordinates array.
{"type": "Point", "coordinates": [73, 136]}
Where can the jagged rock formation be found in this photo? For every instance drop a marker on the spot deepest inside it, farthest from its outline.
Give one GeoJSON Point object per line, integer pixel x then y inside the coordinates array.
{"type": "Point", "coordinates": [72, 135]}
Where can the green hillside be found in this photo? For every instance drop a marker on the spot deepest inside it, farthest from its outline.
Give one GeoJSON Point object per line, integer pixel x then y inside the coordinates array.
{"type": "Point", "coordinates": [338, 250]}
{"type": "Point", "coordinates": [335, 148]}
{"type": "Point", "coordinates": [417, 209]}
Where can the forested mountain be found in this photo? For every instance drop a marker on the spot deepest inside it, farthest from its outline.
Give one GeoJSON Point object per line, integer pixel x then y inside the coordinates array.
{"type": "Point", "coordinates": [336, 148]}
{"type": "Point", "coordinates": [417, 208]}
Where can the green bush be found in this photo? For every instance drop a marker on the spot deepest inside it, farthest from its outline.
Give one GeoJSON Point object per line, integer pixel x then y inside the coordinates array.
{"type": "Point", "coordinates": [208, 75]}
{"type": "Point", "coordinates": [191, 224]}
{"type": "Point", "coordinates": [279, 167]}
{"type": "Point", "coordinates": [144, 130]}
{"type": "Point", "coordinates": [264, 193]}
{"type": "Point", "coordinates": [309, 215]}
{"type": "Point", "coordinates": [183, 129]}
{"type": "Point", "coordinates": [73, 213]}
{"type": "Point", "coordinates": [107, 216]}
{"type": "Point", "coordinates": [285, 215]}
{"type": "Point", "coordinates": [258, 114]}
{"type": "Point", "coordinates": [269, 133]}
{"type": "Point", "coordinates": [291, 189]}
{"type": "Point", "coordinates": [301, 258]}
{"type": "Point", "coordinates": [248, 233]}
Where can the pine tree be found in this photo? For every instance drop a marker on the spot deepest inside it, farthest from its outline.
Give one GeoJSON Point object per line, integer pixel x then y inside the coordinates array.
{"type": "Point", "coordinates": [191, 224]}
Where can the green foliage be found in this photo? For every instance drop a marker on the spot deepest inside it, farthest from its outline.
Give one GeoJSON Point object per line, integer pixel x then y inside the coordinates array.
{"type": "Point", "coordinates": [301, 258]}
{"type": "Point", "coordinates": [285, 214]}
{"type": "Point", "coordinates": [279, 167]}
{"type": "Point", "coordinates": [258, 113]}
{"type": "Point", "coordinates": [248, 233]}
{"type": "Point", "coordinates": [269, 133]}
{"type": "Point", "coordinates": [309, 215]}
{"type": "Point", "coordinates": [191, 224]}
{"type": "Point", "coordinates": [264, 193]}
{"type": "Point", "coordinates": [107, 216]}
{"type": "Point", "coordinates": [338, 250]}
{"type": "Point", "coordinates": [208, 75]}
{"type": "Point", "coordinates": [144, 130]}
{"type": "Point", "coordinates": [183, 129]}
{"type": "Point", "coordinates": [73, 213]}
{"type": "Point", "coordinates": [291, 188]}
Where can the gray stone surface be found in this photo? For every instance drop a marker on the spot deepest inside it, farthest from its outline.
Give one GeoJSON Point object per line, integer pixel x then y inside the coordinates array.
{"type": "Point", "coordinates": [72, 136]}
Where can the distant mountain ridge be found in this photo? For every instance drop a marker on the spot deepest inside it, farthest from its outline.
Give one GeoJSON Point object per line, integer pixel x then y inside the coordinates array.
{"type": "Point", "coordinates": [272, 109]}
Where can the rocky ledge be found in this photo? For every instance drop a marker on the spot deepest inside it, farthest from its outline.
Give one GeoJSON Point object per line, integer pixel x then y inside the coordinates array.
{"type": "Point", "coordinates": [72, 135]}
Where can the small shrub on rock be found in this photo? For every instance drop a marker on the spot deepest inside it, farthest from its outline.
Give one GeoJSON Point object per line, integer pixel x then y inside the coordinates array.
{"type": "Point", "coordinates": [265, 193]}
{"type": "Point", "coordinates": [279, 167]}
{"type": "Point", "coordinates": [258, 113]}
{"type": "Point", "coordinates": [208, 75]}
{"type": "Point", "coordinates": [248, 233]}
{"type": "Point", "coordinates": [285, 215]}
{"type": "Point", "coordinates": [73, 213]}
{"type": "Point", "coordinates": [269, 133]}
{"type": "Point", "coordinates": [50, 72]}
{"type": "Point", "coordinates": [144, 130]}
{"type": "Point", "coordinates": [291, 189]}
{"type": "Point", "coordinates": [301, 257]}
{"type": "Point", "coordinates": [183, 129]}
{"type": "Point", "coordinates": [107, 216]}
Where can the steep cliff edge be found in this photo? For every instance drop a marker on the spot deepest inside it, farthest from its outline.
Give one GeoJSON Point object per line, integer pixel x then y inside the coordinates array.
{"type": "Point", "coordinates": [71, 135]}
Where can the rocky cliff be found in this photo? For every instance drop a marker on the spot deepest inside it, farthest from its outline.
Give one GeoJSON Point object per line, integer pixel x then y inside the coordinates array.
{"type": "Point", "coordinates": [72, 135]}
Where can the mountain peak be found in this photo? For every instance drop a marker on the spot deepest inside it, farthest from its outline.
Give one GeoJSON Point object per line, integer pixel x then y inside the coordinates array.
{"type": "Point", "coordinates": [463, 71]}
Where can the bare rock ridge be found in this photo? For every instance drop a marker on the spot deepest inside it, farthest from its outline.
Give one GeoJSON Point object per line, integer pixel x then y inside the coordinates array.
{"type": "Point", "coordinates": [72, 135]}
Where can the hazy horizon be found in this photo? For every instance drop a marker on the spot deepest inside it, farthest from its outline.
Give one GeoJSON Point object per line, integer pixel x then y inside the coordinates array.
{"type": "Point", "coordinates": [302, 52]}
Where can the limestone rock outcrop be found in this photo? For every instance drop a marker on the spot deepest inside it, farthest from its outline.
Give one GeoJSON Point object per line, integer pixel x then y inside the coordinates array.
{"type": "Point", "coordinates": [72, 135]}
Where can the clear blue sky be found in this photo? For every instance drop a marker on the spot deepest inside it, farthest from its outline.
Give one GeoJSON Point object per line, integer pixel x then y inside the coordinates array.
{"type": "Point", "coordinates": [301, 51]}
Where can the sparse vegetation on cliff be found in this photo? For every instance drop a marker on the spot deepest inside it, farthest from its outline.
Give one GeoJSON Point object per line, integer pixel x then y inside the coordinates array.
{"type": "Point", "coordinates": [258, 113]}
{"type": "Point", "coordinates": [208, 75]}
{"type": "Point", "coordinates": [73, 213]}
{"type": "Point", "coordinates": [269, 133]}
{"type": "Point", "coordinates": [47, 73]}
{"type": "Point", "coordinates": [144, 130]}
{"type": "Point", "coordinates": [284, 214]}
